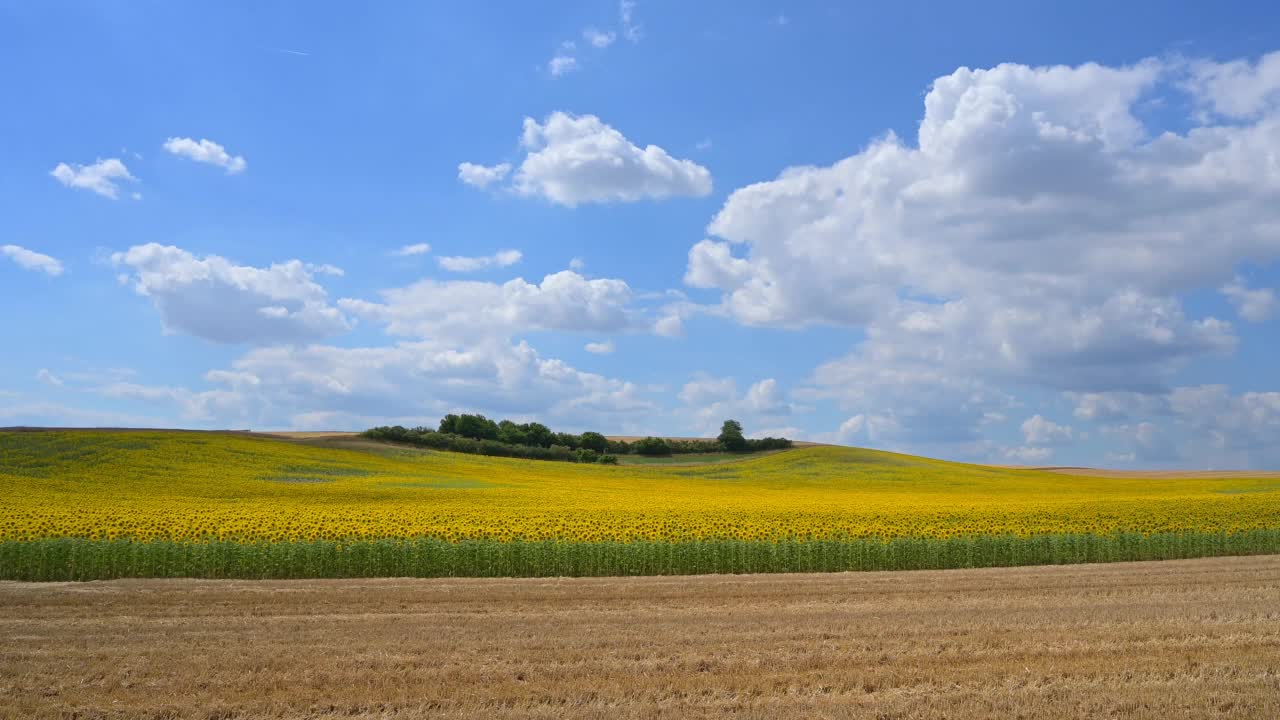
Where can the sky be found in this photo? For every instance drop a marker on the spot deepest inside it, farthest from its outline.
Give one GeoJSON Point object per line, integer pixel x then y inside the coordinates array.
{"type": "Point", "coordinates": [991, 232]}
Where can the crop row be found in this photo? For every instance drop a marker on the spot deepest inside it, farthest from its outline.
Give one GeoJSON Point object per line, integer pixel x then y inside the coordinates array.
{"type": "Point", "coordinates": [63, 559]}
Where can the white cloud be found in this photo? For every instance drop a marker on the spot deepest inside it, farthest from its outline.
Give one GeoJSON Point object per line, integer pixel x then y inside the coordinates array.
{"type": "Point", "coordinates": [669, 326]}
{"type": "Point", "coordinates": [765, 398]}
{"type": "Point", "coordinates": [482, 176]}
{"type": "Point", "coordinates": [599, 38]}
{"type": "Point", "coordinates": [709, 401]}
{"type": "Point", "coordinates": [631, 28]}
{"type": "Point", "coordinates": [205, 151]}
{"type": "Point", "coordinates": [572, 160]}
{"type": "Point", "coordinates": [48, 378]}
{"type": "Point", "coordinates": [426, 379]}
{"type": "Point", "coordinates": [1203, 426]}
{"type": "Point", "coordinates": [54, 415]}
{"type": "Point", "coordinates": [1115, 405]}
{"type": "Point", "coordinates": [1038, 430]}
{"type": "Point", "coordinates": [102, 177]}
{"type": "Point", "coordinates": [1238, 89]}
{"type": "Point", "coordinates": [1253, 304]}
{"type": "Point", "coordinates": [870, 427]}
{"type": "Point", "coordinates": [31, 260]}
{"type": "Point", "coordinates": [1028, 455]}
{"type": "Point", "coordinates": [220, 301]}
{"type": "Point", "coordinates": [1228, 430]}
{"type": "Point", "coordinates": [908, 396]}
{"type": "Point", "coordinates": [415, 249]}
{"type": "Point", "coordinates": [562, 64]}
{"type": "Point", "coordinates": [1145, 441]}
{"type": "Point", "coordinates": [1037, 233]}
{"type": "Point", "coordinates": [468, 311]}
{"type": "Point", "coordinates": [460, 263]}
{"type": "Point", "coordinates": [577, 264]}
{"type": "Point", "coordinates": [599, 348]}
{"type": "Point", "coordinates": [325, 269]}
{"type": "Point", "coordinates": [204, 406]}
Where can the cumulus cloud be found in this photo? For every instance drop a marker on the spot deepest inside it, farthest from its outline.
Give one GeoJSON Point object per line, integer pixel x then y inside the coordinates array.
{"type": "Point", "coordinates": [461, 263]}
{"type": "Point", "coordinates": [1240, 430]}
{"type": "Point", "coordinates": [218, 300]}
{"type": "Point", "coordinates": [1114, 405]}
{"type": "Point", "coordinates": [31, 260]}
{"type": "Point", "coordinates": [424, 379]}
{"type": "Point", "coordinates": [415, 249]}
{"type": "Point", "coordinates": [599, 348]}
{"type": "Point", "coordinates": [1238, 89]}
{"type": "Point", "coordinates": [1253, 304]}
{"type": "Point", "coordinates": [103, 177]}
{"type": "Point", "coordinates": [1038, 430]}
{"type": "Point", "coordinates": [671, 326]}
{"type": "Point", "coordinates": [576, 159]}
{"type": "Point", "coordinates": [708, 401]}
{"type": "Point", "coordinates": [205, 151]}
{"type": "Point", "coordinates": [482, 176]}
{"type": "Point", "coordinates": [1198, 426]}
{"type": "Point", "coordinates": [470, 311]}
{"type": "Point", "coordinates": [1037, 232]}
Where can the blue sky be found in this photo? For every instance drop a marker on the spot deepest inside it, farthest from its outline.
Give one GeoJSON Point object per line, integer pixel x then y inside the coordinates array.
{"type": "Point", "coordinates": [1001, 233]}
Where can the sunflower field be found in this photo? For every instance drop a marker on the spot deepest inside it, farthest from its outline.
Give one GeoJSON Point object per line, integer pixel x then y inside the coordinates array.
{"type": "Point", "coordinates": [89, 504]}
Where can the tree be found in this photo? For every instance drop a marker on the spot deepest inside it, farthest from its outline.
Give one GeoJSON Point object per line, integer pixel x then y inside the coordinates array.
{"type": "Point", "coordinates": [536, 433]}
{"type": "Point", "coordinates": [731, 436]}
{"type": "Point", "coordinates": [594, 441]}
{"type": "Point", "coordinates": [652, 446]}
{"type": "Point", "coordinates": [511, 433]}
{"type": "Point", "coordinates": [472, 426]}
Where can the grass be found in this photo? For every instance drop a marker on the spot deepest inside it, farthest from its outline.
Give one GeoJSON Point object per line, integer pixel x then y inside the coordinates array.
{"type": "Point", "coordinates": [1178, 640]}
{"type": "Point", "coordinates": [110, 504]}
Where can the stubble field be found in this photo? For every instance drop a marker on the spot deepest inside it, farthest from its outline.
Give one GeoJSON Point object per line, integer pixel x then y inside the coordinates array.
{"type": "Point", "coordinates": [1178, 639]}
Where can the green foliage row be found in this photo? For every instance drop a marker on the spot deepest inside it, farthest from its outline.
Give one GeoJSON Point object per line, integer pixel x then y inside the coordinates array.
{"type": "Point", "coordinates": [66, 559]}
{"type": "Point", "coordinates": [478, 435]}
{"type": "Point", "coordinates": [423, 437]}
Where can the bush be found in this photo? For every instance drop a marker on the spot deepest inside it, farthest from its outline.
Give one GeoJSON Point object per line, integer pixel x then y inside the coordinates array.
{"type": "Point", "coordinates": [585, 455]}
{"type": "Point", "coordinates": [768, 443]}
{"type": "Point", "coordinates": [608, 460]}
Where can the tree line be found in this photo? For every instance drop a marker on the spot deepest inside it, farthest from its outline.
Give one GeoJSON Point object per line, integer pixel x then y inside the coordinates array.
{"type": "Point", "coordinates": [478, 435]}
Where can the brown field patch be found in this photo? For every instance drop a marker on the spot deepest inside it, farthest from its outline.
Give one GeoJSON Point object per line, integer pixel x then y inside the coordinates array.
{"type": "Point", "coordinates": [1152, 474]}
{"type": "Point", "coordinates": [1184, 639]}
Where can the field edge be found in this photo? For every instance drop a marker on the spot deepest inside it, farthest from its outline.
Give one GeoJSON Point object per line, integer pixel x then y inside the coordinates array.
{"type": "Point", "coordinates": [77, 559]}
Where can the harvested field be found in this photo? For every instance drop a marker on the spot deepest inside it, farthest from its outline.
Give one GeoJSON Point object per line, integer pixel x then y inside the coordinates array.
{"type": "Point", "coordinates": [1182, 639]}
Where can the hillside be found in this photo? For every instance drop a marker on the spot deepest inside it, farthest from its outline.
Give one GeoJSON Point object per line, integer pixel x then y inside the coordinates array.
{"type": "Point", "coordinates": [176, 485]}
